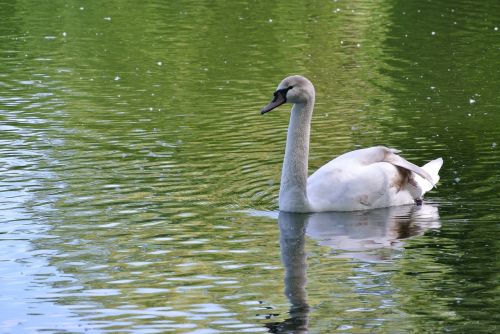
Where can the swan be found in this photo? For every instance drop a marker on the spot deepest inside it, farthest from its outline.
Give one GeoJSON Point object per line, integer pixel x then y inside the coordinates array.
{"type": "Point", "coordinates": [367, 178]}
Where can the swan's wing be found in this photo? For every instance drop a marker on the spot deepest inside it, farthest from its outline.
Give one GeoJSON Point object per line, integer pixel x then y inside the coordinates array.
{"type": "Point", "coordinates": [372, 155]}
{"type": "Point", "coordinates": [367, 178]}
{"type": "Point", "coordinates": [399, 161]}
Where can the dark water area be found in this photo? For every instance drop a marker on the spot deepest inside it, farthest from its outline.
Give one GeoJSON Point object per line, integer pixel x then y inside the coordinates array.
{"type": "Point", "coordinates": [139, 183]}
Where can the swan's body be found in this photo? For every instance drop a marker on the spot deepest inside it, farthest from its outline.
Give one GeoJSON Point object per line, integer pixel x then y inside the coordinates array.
{"type": "Point", "coordinates": [368, 178]}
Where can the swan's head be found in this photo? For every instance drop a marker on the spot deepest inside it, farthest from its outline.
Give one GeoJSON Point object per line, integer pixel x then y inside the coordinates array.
{"type": "Point", "coordinates": [293, 89]}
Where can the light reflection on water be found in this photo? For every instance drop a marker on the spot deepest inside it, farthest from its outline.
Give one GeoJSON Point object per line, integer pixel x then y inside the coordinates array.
{"type": "Point", "coordinates": [138, 180]}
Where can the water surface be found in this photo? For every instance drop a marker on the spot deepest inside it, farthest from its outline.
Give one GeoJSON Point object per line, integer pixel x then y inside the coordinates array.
{"type": "Point", "coordinates": [139, 183]}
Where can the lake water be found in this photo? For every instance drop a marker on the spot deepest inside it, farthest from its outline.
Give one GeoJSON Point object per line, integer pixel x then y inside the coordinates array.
{"type": "Point", "coordinates": [139, 182]}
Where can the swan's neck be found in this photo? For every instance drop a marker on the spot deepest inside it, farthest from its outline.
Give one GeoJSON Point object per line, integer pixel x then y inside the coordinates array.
{"type": "Point", "coordinates": [293, 190]}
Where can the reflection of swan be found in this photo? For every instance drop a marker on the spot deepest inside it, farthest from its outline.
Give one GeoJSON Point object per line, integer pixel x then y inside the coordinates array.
{"type": "Point", "coordinates": [293, 256]}
{"type": "Point", "coordinates": [366, 230]}
{"type": "Point", "coordinates": [363, 179]}
{"type": "Point", "coordinates": [356, 232]}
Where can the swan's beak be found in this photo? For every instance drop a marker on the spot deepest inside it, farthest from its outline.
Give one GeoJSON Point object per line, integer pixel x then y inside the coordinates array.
{"type": "Point", "coordinates": [279, 99]}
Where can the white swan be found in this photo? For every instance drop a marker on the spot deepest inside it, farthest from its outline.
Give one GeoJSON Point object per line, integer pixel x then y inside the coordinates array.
{"type": "Point", "coordinates": [363, 179]}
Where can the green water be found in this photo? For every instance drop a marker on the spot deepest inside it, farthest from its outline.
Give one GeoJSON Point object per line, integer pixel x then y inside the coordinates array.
{"type": "Point", "coordinates": [139, 182]}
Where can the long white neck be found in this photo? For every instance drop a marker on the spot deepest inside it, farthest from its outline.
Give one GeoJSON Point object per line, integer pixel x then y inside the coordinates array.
{"type": "Point", "coordinates": [293, 190]}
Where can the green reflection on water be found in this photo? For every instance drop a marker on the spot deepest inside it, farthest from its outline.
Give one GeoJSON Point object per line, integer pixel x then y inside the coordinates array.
{"type": "Point", "coordinates": [131, 142]}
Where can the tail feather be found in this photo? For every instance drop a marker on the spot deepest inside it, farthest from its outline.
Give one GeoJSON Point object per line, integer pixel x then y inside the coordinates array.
{"type": "Point", "coordinates": [432, 168]}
